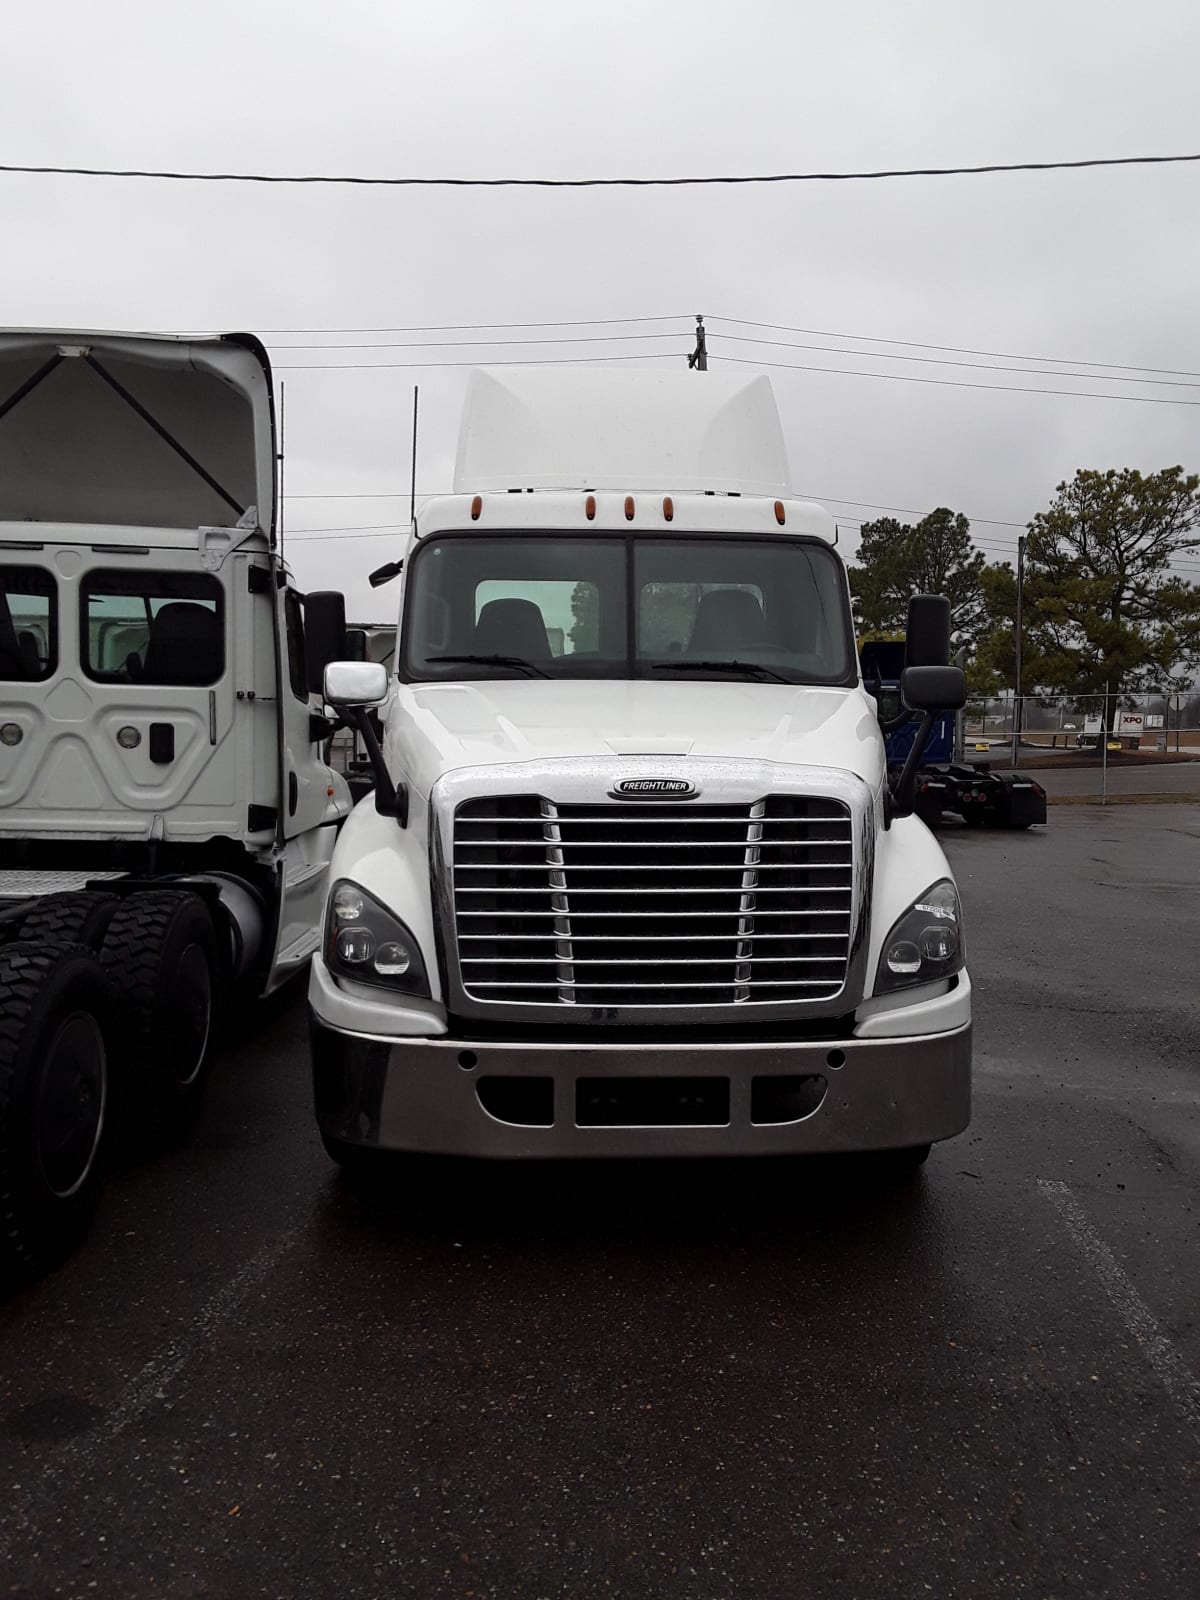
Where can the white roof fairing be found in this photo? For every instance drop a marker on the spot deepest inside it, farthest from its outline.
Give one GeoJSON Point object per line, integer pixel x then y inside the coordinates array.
{"type": "Point", "coordinates": [678, 431]}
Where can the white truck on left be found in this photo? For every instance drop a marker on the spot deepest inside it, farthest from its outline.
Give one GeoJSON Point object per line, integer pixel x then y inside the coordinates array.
{"type": "Point", "coordinates": [166, 817]}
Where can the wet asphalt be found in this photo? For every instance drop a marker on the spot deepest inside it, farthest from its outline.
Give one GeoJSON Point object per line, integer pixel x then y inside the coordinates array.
{"type": "Point", "coordinates": [711, 1381]}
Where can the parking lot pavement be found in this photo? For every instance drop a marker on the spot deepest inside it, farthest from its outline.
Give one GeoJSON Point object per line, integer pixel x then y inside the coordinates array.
{"type": "Point", "coordinates": [694, 1380]}
{"type": "Point", "coordinates": [1182, 779]}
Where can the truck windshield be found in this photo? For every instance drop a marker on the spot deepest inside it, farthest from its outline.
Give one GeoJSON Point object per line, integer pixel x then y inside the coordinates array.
{"type": "Point", "coordinates": [698, 606]}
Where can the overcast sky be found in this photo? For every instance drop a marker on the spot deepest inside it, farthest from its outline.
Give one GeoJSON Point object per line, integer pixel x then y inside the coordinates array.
{"type": "Point", "coordinates": [1092, 266]}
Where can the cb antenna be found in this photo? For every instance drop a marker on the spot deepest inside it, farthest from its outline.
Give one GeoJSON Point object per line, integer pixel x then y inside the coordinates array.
{"type": "Point", "coordinates": [279, 518]}
{"type": "Point", "coordinates": [413, 479]}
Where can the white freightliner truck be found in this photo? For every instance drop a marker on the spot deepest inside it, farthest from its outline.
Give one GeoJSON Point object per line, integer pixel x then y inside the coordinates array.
{"type": "Point", "coordinates": [166, 820]}
{"type": "Point", "coordinates": [633, 879]}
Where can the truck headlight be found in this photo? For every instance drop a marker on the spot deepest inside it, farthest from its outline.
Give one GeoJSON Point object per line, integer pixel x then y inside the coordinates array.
{"type": "Point", "coordinates": [363, 940]}
{"type": "Point", "coordinates": [926, 943]}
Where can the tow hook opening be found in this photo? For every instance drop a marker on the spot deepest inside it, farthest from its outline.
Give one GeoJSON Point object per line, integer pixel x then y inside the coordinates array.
{"type": "Point", "coordinates": [788, 1099]}
{"type": "Point", "coordinates": [524, 1102]}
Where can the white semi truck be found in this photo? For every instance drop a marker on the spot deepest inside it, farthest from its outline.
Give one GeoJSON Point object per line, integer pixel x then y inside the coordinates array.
{"type": "Point", "coordinates": [166, 819]}
{"type": "Point", "coordinates": [634, 880]}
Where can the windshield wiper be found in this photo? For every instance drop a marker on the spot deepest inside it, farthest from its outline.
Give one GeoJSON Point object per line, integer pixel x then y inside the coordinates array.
{"type": "Point", "coordinates": [519, 662]}
{"type": "Point", "coordinates": [750, 668]}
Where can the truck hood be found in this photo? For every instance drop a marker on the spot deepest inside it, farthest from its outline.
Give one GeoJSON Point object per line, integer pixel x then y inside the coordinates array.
{"type": "Point", "coordinates": [135, 430]}
{"type": "Point", "coordinates": [435, 728]}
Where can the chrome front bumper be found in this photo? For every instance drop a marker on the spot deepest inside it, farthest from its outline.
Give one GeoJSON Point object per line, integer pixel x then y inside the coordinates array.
{"type": "Point", "coordinates": [424, 1094]}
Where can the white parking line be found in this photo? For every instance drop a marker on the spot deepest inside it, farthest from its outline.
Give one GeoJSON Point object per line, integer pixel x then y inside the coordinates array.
{"type": "Point", "coordinates": [1175, 1374]}
{"type": "Point", "coordinates": [152, 1380]}
{"type": "Point", "coordinates": [146, 1389]}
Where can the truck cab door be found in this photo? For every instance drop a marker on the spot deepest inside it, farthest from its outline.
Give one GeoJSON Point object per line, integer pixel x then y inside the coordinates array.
{"type": "Point", "coordinates": [314, 801]}
{"type": "Point", "coordinates": [126, 733]}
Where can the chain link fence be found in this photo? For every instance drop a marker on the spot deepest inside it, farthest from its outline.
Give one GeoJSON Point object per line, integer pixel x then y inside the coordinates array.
{"type": "Point", "coordinates": [1145, 722]}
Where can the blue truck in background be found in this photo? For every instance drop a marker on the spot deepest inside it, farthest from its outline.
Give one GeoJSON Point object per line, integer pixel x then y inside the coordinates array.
{"type": "Point", "coordinates": [981, 797]}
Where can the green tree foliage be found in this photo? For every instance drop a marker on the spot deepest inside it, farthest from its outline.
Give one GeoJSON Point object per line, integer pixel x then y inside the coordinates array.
{"type": "Point", "coordinates": [993, 666]}
{"type": "Point", "coordinates": [934, 556]}
{"type": "Point", "coordinates": [1102, 604]}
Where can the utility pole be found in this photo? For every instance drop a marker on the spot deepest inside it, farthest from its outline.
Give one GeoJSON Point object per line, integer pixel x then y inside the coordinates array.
{"type": "Point", "coordinates": [699, 356]}
{"type": "Point", "coordinates": [1017, 719]}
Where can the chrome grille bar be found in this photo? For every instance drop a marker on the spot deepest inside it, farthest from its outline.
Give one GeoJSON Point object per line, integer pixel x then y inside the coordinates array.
{"type": "Point", "coordinates": [652, 904]}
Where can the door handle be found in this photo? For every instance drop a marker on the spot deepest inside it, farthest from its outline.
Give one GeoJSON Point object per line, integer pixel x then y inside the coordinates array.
{"type": "Point", "coordinates": [162, 743]}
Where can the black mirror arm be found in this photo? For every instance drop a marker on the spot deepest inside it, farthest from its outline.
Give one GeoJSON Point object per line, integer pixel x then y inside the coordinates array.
{"type": "Point", "coordinates": [390, 800]}
{"type": "Point", "coordinates": [905, 787]}
{"type": "Point", "coordinates": [893, 724]}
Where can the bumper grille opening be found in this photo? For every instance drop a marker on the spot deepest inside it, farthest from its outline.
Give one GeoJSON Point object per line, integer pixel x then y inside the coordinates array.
{"type": "Point", "coordinates": [525, 1102]}
{"type": "Point", "coordinates": [652, 1103]}
{"type": "Point", "coordinates": [786, 1099]}
{"type": "Point", "coordinates": [653, 904]}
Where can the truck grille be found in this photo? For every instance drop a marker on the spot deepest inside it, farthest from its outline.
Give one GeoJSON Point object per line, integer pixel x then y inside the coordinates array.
{"type": "Point", "coordinates": [652, 904]}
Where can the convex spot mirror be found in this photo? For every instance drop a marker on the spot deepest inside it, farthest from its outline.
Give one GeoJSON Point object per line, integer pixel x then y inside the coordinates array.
{"type": "Point", "coordinates": [933, 688]}
{"type": "Point", "coordinates": [355, 683]}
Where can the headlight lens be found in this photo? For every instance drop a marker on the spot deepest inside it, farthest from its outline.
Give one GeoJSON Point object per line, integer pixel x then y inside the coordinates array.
{"type": "Point", "coordinates": [363, 940]}
{"type": "Point", "coordinates": [926, 943]}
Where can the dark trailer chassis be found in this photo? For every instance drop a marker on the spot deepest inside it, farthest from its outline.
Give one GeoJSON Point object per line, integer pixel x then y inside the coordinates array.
{"type": "Point", "coordinates": [981, 797]}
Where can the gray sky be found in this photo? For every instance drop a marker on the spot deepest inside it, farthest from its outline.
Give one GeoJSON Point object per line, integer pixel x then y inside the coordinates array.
{"type": "Point", "coordinates": [1094, 266]}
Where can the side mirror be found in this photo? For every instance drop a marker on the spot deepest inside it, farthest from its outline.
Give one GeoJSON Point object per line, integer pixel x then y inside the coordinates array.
{"type": "Point", "coordinates": [352, 686]}
{"type": "Point", "coordinates": [933, 688]}
{"type": "Point", "coordinates": [356, 644]}
{"type": "Point", "coordinates": [385, 574]}
{"type": "Point", "coordinates": [927, 637]}
{"type": "Point", "coordinates": [355, 683]}
{"type": "Point", "coordinates": [324, 634]}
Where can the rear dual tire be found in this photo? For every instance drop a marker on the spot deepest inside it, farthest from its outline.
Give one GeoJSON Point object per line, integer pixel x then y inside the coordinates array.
{"type": "Point", "coordinates": [56, 1030]}
{"type": "Point", "coordinates": [160, 953]}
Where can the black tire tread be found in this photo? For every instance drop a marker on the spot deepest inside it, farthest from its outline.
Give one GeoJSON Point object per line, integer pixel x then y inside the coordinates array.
{"type": "Point", "coordinates": [130, 954]}
{"type": "Point", "coordinates": [151, 1114]}
{"type": "Point", "coordinates": [23, 971]}
{"type": "Point", "coordinates": [77, 917]}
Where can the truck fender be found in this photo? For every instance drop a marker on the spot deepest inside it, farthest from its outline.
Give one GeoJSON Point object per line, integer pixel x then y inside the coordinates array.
{"type": "Point", "coordinates": [909, 861]}
{"type": "Point", "coordinates": [392, 863]}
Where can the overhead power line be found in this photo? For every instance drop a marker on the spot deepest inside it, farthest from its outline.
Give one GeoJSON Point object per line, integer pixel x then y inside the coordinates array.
{"type": "Point", "coordinates": [962, 383]}
{"type": "Point", "coordinates": [364, 181]}
{"type": "Point", "coordinates": [507, 361]}
{"type": "Point", "coordinates": [388, 530]}
{"type": "Point", "coordinates": [780, 344]}
{"type": "Point", "coordinates": [467, 344]}
{"type": "Point", "coordinates": [951, 349]}
{"type": "Point", "coordinates": [741, 322]}
{"type": "Point", "coordinates": [743, 361]}
{"type": "Point", "coordinates": [975, 366]}
{"type": "Point", "coordinates": [907, 511]}
{"type": "Point", "coordinates": [504, 327]}
{"type": "Point", "coordinates": [988, 543]}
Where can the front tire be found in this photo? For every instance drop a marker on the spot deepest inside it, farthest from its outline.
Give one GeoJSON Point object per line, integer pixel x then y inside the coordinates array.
{"type": "Point", "coordinates": [55, 1030]}
{"type": "Point", "coordinates": [363, 1166]}
{"type": "Point", "coordinates": [899, 1166]}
